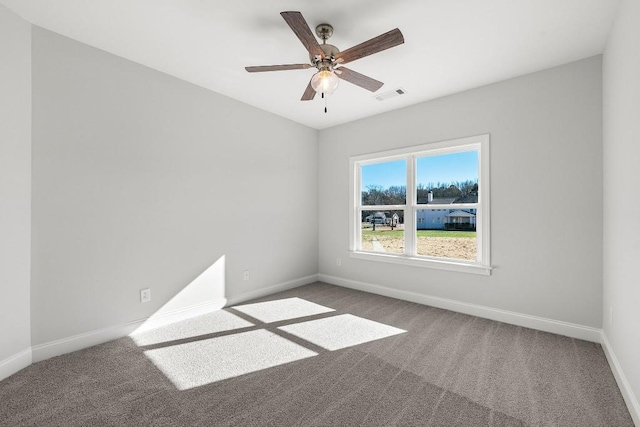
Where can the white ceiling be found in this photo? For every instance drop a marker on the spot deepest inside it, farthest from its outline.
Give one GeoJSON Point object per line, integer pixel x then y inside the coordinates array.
{"type": "Point", "coordinates": [450, 45]}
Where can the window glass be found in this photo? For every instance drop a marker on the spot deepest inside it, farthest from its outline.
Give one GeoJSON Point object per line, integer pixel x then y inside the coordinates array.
{"type": "Point", "coordinates": [447, 178]}
{"type": "Point", "coordinates": [384, 183]}
{"type": "Point", "coordinates": [446, 233]}
{"type": "Point", "coordinates": [382, 231]}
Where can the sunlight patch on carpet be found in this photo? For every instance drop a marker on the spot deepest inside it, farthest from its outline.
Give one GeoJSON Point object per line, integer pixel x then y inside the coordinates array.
{"type": "Point", "coordinates": [210, 323]}
{"type": "Point", "coordinates": [282, 309]}
{"type": "Point", "coordinates": [346, 330]}
{"type": "Point", "coordinates": [204, 362]}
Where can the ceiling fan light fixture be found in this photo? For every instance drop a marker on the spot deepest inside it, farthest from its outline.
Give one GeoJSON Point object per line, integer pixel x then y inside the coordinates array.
{"type": "Point", "coordinates": [325, 81]}
{"type": "Point", "coordinates": [325, 57]}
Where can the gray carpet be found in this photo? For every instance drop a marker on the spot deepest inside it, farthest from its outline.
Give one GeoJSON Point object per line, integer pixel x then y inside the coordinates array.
{"type": "Point", "coordinates": [322, 356]}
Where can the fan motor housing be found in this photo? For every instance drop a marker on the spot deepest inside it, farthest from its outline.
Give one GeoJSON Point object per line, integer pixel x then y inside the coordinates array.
{"type": "Point", "coordinates": [329, 51]}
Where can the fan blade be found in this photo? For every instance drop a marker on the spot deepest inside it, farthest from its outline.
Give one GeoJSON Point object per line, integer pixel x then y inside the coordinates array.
{"type": "Point", "coordinates": [301, 29]}
{"type": "Point", "coordinates": [261, 68]}
{"type": "Point", "coordinates": [359, 79]}
{"type": "Point", "coordinates": [309, 93]}
{"type": "Point", "coordinates": [375, 45]}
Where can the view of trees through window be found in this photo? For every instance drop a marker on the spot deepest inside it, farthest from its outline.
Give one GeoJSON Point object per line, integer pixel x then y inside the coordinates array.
{"type": "Point", "coordinates": [397, 195]}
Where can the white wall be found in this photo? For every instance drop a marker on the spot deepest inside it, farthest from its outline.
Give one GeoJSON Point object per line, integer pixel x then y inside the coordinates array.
{"type": "Point", "coordinates": [142, 180]}
{"type": "Point", "coordinates": [15, 192]}
{"type": "Point", "coordinates": [546, 187]}
{"type": "Point", "coordinates": [621, 78]}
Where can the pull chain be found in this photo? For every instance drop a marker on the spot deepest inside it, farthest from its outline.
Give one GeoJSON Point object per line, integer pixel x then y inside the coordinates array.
{"type": "Point", "coordinates": [325, 102]}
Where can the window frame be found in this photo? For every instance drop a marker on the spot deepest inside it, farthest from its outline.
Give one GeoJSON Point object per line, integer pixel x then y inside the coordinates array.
{"type": "Point", "coordinates": [482, 265]}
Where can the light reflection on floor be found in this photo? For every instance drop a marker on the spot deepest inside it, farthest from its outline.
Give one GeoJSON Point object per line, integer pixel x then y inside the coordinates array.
{"type": "Point", "coordinates": [282, 309]}
{"type": "Point", "coordinates": [210, 323]}
{"type": "Point", "coordinates": [202, 362]}
{"type": "Point", "coordinates": [346, 330]}
{"type": "Point", "coordinates": [215, 358]}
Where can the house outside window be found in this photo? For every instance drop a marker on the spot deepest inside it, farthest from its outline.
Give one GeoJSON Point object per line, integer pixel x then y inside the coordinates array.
{"type": "Point", "coordinates": [438, 197]}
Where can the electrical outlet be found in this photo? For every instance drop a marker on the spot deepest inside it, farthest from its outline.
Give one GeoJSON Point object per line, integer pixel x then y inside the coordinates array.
{"type": "Point", "coordinates": [338, 262]}
{"type": "Point", "coordinates": [145, 295]}
{"type": "Point", "coordinates": [245, 275]}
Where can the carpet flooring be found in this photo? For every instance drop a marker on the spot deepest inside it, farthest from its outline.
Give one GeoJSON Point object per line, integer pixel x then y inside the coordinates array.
{"type": "Point", "coordinates": [322, 355]}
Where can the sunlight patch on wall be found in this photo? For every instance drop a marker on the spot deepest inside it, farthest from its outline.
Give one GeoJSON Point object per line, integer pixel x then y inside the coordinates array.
{"type": "Point", "coordinates": [206, 293]}
{"type": "Point", "coordinates": [346, 330]}
{"type": "Point", "coordinates": [210, 323]}
{"type": "Point", "coordinates": [203, 362]}
{"type": "Point", "coordinates": [282, 309]}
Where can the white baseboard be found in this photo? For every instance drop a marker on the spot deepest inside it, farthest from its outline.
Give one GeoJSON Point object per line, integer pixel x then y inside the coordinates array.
{"type": "Point", "coordinates": [259, 293]}
{"type": "Point", "coordinates": [15, 363]}
{"type": "Point", "coordinates": [625, 388]}
{"type": "Point", "coordinates": [99, 336]}
{"type": "Point", "coordinates": [572, 330]}
{"type": "Point", "coordinates": [155, 321]}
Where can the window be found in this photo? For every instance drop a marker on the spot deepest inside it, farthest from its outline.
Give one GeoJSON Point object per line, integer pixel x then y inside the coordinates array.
{"type": "Point", "coordinates": [426, 205]}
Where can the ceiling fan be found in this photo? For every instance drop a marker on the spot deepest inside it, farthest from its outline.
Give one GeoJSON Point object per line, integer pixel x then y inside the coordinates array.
{"type": "Point", "coordinates": [329, 60]}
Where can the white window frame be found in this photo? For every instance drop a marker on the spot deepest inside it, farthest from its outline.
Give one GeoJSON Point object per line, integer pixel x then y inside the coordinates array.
{"type": "Point", "coordinates": [482, 265]}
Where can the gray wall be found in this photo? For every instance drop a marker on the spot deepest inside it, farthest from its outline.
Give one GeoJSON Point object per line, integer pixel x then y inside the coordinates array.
{"type": "Point", "coordinates": [621, 71]}
{"type": "Point", "coordinates": [142, 180]}
{"type": "Point", "coordinates": [546, 192]}
{"type": "Point", "coordinates": [15, 184]}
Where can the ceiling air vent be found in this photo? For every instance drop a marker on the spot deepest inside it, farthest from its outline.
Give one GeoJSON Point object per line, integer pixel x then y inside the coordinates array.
{"type": "Point", "coordinates": [390, 94]}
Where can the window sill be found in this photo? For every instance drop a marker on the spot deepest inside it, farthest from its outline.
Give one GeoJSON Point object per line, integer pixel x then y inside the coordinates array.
{"type": "Point", "coordinates": [424, 262]}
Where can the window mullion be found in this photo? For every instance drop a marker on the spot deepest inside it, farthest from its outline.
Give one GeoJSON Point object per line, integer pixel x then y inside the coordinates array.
{"type": "Point", "coordinates": [409, 212]}
{"type": "Point", "coordinates": [355, 233]}
{"type": "Point", "coordinates": [382, 207]}
{"type": "Point", "coordinates": [479, 242]}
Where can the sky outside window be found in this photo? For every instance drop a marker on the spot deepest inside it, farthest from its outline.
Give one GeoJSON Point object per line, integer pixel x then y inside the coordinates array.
{"type": "Point", "coordinates": [385, 175]}
{"type": "Point", "coordinates": [448, 168]}
{"type": "Point", "coordinates": [445, 168]}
